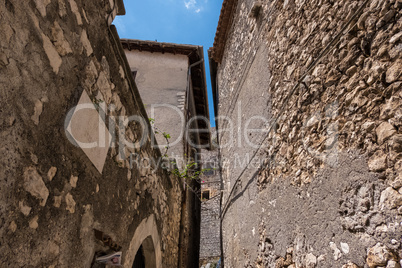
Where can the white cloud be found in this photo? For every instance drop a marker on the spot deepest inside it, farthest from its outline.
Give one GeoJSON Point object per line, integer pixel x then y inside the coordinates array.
{"type": "Point", "coordinates": [190, 4]}
{"type": "Point", "coordinates": [193, 5]}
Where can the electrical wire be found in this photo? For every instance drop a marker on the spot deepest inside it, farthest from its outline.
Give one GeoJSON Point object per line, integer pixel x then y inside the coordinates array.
{"type": "Point", "coordinates": [333, 42]}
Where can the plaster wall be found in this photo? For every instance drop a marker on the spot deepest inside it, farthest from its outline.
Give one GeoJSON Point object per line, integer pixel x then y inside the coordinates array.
{"type": "Point", "coordinates": [162, 81]}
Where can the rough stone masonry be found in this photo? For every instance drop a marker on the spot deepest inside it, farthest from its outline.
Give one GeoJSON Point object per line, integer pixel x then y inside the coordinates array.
{"type": "Point", "coordinates": [321, 187]}
{"type": "Point", "coordinates": [53, 194]}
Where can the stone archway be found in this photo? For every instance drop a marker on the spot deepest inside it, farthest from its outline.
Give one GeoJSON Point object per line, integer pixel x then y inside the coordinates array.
{"type": "Point", "coordinates": [145, 242]}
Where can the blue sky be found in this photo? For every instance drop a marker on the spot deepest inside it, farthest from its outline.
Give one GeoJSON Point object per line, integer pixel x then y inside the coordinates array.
{"type": "Point", "coordinates": [176, 21]}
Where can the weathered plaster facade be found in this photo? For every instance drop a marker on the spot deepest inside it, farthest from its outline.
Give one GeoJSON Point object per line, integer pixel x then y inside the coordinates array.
{"type": "Point", "coordinates": [171, 82]}
{"type": "Point", "coordinates": [162, 82]}
{"type": "Point", "coordinates": [322, 185]}
{"type": "Point", "coordinates": [54, 193]}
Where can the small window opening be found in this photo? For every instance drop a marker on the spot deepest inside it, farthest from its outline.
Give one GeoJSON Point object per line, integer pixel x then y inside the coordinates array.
{"type": "Point", "coordinates": [205, 195]}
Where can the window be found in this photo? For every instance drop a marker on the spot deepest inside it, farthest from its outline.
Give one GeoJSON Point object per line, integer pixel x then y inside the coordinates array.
{"type": "Point", "coordinates": [205, 195]}
{"type": "Point", "coordinates": [209, 169]}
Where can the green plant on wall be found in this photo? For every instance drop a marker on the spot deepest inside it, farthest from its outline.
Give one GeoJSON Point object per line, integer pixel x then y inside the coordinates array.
{"type": "Point", "coordinates": [189, 173]}
{"type": "Point", "coordinates": [165, 135]}
{"type": "Point", "coordinates": [97, 103]}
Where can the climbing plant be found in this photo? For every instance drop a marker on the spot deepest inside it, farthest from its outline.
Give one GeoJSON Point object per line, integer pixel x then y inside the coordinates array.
{"type": "Point", "coordinates": [189, 172]}
{"type": "Point", "coordinates": [164, 134]}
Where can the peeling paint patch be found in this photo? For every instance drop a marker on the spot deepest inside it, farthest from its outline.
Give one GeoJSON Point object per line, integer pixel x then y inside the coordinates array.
{"type": "Point", "coordinates": [34, 184]}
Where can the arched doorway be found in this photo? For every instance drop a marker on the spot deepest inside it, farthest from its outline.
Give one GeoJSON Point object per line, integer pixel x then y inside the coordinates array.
{"type": "Point", "coordinates": [145, 256]}
{"type": "Point", "coordinates": [139, 261]}
{"type": "Point", "coordinates": [145, 250]}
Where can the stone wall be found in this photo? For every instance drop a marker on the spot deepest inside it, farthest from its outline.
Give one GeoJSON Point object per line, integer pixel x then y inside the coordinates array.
{"type": "Point", "coordinates": [210, 208]}
{"type": "Point", "coordinates": [54, 55]}
{"type": "Point", "coordinates": [322, 186]}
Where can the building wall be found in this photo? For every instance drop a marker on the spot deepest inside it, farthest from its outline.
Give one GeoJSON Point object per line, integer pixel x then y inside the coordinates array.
{"type": "Point", "coordinates": [210, 208]}
{"type": "Point", "coordinates": [54, 55]}
{"type": "Point", "coordinates": [162, 82]}
{"type": "Point", "coordinates": [322, 189]}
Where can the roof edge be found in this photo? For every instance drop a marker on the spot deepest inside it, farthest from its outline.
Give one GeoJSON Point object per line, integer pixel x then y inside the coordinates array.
{"type": "Point", "coordinates": [198, 74]}
{"type": "Point", "coordinates": [155, 46]}
{"type": "Point", "coordinates": [121, 10]}
{"type": "Point", "coordinates": [225, 19]}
